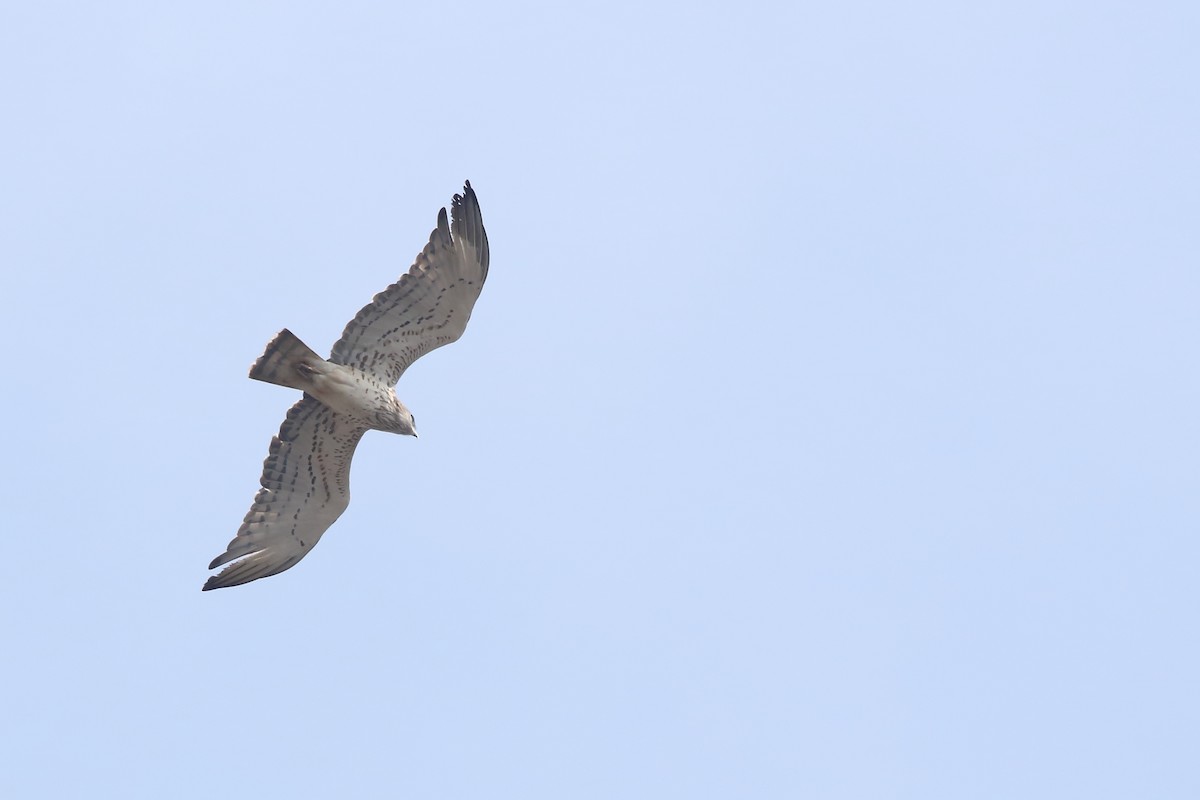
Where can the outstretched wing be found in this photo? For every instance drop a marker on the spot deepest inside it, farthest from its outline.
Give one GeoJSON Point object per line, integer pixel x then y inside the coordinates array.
{"type": "Point", "coordinates": [429, 306]}
{"type": "Point", "coordinates": [305, 487]}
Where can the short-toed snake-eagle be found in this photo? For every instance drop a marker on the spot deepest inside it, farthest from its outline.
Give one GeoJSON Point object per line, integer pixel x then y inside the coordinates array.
{"type": "Point", "coordinates": [306, 477]}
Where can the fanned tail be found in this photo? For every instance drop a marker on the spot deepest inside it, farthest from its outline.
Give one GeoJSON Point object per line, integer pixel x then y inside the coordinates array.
{"type": "Point", "coordinates": [287, 361]}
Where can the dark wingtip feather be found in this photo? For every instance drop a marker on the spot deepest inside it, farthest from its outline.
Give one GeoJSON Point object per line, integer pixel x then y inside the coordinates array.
{"type": "Point", "coordinates": [468, 223]}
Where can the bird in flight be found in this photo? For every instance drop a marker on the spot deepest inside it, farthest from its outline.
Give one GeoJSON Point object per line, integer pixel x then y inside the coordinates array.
{"type": "Point", "coordinates": [306, 476]}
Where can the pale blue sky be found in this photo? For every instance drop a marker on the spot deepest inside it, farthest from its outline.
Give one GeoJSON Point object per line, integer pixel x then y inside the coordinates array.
{"type": "Point", "coordinates": [827, 427]}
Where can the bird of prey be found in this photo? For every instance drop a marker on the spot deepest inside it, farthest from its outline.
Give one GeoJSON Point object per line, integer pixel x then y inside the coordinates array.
{"type": "Point", "coordinates": [306, 476]}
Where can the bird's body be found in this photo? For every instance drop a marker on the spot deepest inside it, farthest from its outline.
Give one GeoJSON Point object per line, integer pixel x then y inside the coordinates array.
{"type": "Point", "coordinates": [360, 395]}
{"type": "Point", "coordinates": [306, 476]}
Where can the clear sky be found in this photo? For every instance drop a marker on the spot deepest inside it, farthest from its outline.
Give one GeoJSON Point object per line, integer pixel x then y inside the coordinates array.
{"type": "Point", "coordinates": [827, 427]}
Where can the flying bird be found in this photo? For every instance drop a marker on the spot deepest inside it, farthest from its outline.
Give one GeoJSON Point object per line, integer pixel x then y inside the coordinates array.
{"type": "Point", "coordinates": [306, 476]}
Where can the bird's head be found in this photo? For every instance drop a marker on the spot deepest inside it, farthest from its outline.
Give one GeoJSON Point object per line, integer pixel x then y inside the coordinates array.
{"type": "Point", "coordinates": [403, 422]}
